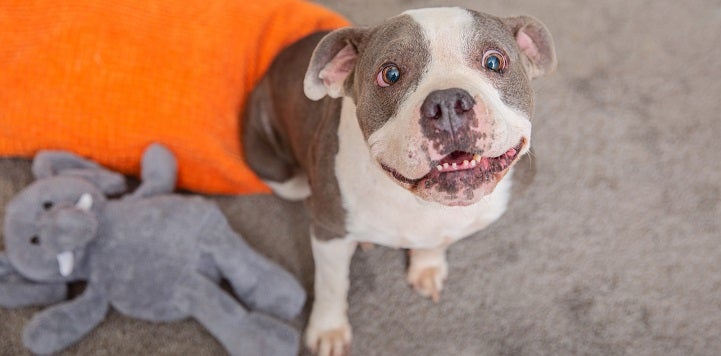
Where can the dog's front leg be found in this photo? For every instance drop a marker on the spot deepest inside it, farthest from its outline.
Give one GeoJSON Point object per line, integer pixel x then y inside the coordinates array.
{"type": "Point", "coordinates": [427, 270]}
{"type": "Point", "coordinates": [329, 332]}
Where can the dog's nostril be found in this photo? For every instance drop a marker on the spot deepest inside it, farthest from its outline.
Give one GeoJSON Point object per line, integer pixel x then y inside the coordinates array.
{"type": "Point", "coordinates": [465, 103]}
{"type": "Point", "coordinates": [448, 101]}
{"type": "Point", "coordinates": [432, 111]}
{"type": "Point", "coordinates": [461, 107]}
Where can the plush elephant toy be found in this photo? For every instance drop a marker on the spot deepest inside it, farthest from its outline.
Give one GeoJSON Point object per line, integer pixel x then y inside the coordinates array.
{"type": "Point", "coordinates": [151, 254]}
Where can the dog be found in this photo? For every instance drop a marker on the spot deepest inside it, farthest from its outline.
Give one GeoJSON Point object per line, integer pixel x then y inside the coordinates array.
{"type": "Point", "coordinates": [403, 135]}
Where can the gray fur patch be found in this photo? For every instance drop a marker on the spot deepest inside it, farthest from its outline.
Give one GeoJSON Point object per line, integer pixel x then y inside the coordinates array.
{"type": "Point", "coordinates": [490, 32]}
{"type": "Point", "coordinates": [286, 132]}
{"type": "Point", "coordinates": [398, 41]}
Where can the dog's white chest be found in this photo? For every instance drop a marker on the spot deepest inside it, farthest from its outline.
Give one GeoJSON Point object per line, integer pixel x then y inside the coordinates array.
{"type": "Point", "coordinates": [381, 212]}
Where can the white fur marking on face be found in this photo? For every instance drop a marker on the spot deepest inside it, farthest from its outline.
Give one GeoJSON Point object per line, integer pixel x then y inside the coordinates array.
{"type": "Point", "coordinates": [403, 219]}
{"type": "Point", "coordinates": [399, 143]}
{"type": "Point", "coordinates": [446, 30]}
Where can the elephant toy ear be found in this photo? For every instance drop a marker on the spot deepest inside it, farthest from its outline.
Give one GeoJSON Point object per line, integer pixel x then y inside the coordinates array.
{"type": "Point", "coordinates": [18, 292]}
{"type": "Point", "coordinates": [52, 163]}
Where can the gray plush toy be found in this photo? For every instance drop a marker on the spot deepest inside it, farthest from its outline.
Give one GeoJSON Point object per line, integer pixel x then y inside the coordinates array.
{"type": "Point", "coordinates": [152, 255]}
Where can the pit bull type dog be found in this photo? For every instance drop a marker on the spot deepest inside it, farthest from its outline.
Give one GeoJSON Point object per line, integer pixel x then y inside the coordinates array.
{"type": "Point", "coordinates": [402, 135]}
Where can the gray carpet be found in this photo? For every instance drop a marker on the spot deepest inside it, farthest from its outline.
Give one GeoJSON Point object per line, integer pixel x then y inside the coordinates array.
{"type": "Point", "coordinates": [613, 250]}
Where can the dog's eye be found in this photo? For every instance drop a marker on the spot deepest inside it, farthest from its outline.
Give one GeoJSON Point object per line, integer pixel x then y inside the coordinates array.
{"type": "Point", "coordinates": [388, 76]}
{"type": "Point", "coordinates": [494, 60]}
{"type": "Point", "coordinates": [48, 205]}
{"type": "Point", "coordinates": [35, 240]}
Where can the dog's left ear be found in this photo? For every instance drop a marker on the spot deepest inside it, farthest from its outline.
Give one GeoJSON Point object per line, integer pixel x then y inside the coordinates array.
{"type": "Point", "coordinates": [536, 44]}
{"type": "Point", "coordinates": [332, 63]}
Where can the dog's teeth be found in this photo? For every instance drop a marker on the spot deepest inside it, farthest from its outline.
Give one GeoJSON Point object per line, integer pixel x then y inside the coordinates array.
{"type": "Point", "coordinates": [477, 157]}
{"type": "Point", "coordinates": [474, 163]}
{"type": "Point", "coordinates": [445, 165]}
{"type": "Point", "coordinates": [439, 167]}
{"type": "Point", "coordinates": [454, 165]}
{"type": "Point", "coordinates": [465, 163]}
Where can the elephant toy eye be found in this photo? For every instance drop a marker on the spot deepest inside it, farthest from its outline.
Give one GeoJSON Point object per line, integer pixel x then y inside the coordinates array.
{"type": "Point", "coordinates": [35, 240]}
{"type": "Point", "coordinates": [48, 205]}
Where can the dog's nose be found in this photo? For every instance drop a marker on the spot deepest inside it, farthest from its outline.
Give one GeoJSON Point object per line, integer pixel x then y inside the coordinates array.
{"type": "Point", "coordinates": [447, 109]}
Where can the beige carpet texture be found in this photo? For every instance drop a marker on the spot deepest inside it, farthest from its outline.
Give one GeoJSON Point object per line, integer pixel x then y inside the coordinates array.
{"type": "Point", "coordinates": [614, 249]}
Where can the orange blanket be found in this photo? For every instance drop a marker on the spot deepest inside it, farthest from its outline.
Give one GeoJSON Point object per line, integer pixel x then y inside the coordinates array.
{"type": "Point", "coordinates": [106, 78]}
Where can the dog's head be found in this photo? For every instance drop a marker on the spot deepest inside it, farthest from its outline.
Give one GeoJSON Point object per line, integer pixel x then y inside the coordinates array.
{"type": "Point", "coordinates": [442, 95]}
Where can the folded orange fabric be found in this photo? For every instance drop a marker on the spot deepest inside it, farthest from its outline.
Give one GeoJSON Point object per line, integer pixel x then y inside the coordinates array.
{"type": "Point", "coordinates": [106, 78]}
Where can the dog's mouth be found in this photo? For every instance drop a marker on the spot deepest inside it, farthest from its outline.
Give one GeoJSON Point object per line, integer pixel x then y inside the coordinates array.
{"type": "Point", "coordinates": [462, 171]}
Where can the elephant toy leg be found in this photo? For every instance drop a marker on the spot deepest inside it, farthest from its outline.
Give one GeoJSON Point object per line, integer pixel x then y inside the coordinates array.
{"type": "Point", "coordinates": [60, 326]}
{"type": "Point", "coordinates": [261, 284]}
{"type": "Point", "coordinates": [242, 333]}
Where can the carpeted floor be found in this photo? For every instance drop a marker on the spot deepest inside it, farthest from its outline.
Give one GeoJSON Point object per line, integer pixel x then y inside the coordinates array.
{"type": "Point", "coordinates": [615, 249]}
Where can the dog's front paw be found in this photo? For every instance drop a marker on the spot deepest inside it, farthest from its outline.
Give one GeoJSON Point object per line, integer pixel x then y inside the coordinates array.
{"type": "Point", "coordinates": [427, 272]}
{"type": "Point", "coordinates": [329, 341]}
{"type": "Point", "coordinates": [428, 282]}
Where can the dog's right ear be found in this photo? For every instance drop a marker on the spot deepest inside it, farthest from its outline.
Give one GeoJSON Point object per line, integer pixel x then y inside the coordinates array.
{"type": "Point", "coordinates": [332, 63]}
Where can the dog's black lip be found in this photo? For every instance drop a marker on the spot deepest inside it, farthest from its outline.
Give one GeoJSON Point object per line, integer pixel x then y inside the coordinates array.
{"type": "Point", "coordinates": [400, 177]}
{"type": "Point", "coordinates": [414, 182]}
